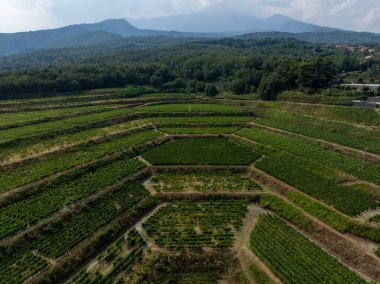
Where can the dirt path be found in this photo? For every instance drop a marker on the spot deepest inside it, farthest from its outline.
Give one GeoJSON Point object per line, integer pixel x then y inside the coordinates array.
{"type": "Point", "coordinates": [359, 154]}
{"type": "Point", "coordinates": [241, 246]}
{"type": "Point", "coordinates": [368, 214]}
{"type": "Point", "coordinates": [146, 162]}
{"type": "Point", "coordinates": [139, 227]}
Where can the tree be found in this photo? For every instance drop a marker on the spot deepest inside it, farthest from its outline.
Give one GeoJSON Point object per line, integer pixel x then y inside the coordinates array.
{"type": "Point", "coordinates": [317, 74]}
{"type": "Point", "coordinates": [211, 90]}
{"type": "Point", "coordinates": [238, 87]}
{"type": "Point", "coordinates": [270, 86]}
{"type": "Point", "coordinates": [200, 87]}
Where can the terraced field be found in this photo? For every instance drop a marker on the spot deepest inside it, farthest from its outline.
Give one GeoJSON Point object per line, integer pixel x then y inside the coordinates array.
{"type": "Point", "coordinates": [177, 188]}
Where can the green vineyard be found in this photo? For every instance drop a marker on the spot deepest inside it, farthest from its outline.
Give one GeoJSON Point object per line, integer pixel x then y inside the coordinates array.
{"type": "Point", "coordinates": [179, 188]}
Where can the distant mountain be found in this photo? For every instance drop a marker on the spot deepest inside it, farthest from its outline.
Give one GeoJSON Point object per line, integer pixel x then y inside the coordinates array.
{"type": "Point", "coordinates": [76, 35]}
{"type": "Point", "coordinates": [211, 22]}
{"type": "Point", "coordinates": [334, 37]}
{"type": "Point", "coordinates": [215, 20]}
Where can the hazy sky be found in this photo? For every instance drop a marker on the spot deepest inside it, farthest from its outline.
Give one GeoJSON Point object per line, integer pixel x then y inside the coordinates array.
{"type": "Point", "coordinates": [25, 15]}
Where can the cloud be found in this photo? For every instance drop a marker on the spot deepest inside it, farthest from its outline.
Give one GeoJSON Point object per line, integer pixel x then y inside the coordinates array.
{"type": "Point", "coordinates": [17, 15]}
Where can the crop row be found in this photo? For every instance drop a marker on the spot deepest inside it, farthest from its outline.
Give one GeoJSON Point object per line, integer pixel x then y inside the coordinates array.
{"type": "Point", "coordinates": [293, 258]}
{"type": "Point", "coordinates": [132, 254]}
{"type": "Point", "coordinates": [61, 124]}
{"type": "Point", "coordinates": [341, 133]}
{"type": "Point", "coordinates": [337, 221]}
{"type": "Point", "coordinates": [303, 148]}
{"type": "Point", "coordinates": [61, 142]}
{"type": "Point", "coordinates": [59, 237]}
{"type": "Point", "coordinates": [199, 130]}
{"type": "Point", "coordinates": [317, 182]}
{"type": "Point", "coordinates": [201, 151]}
{"type": "Point", "coordinates": [208, 120]}
{"type": "Point", "coordinates": [26, 212]}
{"type": "Point", "coordinates": [172, 108]}
{"type": "Point", "coordinates": [50, 165]}
{"type": "Point", "coordinates": [202, 181]}
{"type": "Point", "coordinates": [196, 225]}
{"type": "Point", "coordinates": [10, 120]}
{"type": "Point", "coordinates": [351, 115]}
{"type": "Point", "coordinates": [63, 100]}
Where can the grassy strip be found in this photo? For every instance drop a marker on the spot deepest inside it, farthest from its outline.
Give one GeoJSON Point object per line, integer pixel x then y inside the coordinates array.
{"type": "Point", "coordinates": [47, 166]}
{"type": "Point", "coordinates": [57, 238]}
{"type": "Point", "coordinates": [337, 221]}
{"type": "Point", "coordinates": [341, 133]}
{"type": "Point", "coordinates": [293, 258]}
{"type": "Point", "coordinates": [260, 276]}
{"type": "Point", "coordinates": [303, 148]}
{"type": "Point", "coordinates": [318, 182]}
{"type": "Point", "coordinates": [199, 130]}
{"type": "Point", "coordinates": [61, 124]}
{"type": "Point", "coordinates": [19, 215]}
{"type": "Point", "coordinates": [284, 210]}
{"type": "Point", "coordinates": [172, 108]}
{"type": "Point", "coordinates": [74, 174]}
{"type": "Point", "coordinates": [207, 120]}
{"type": "Point", "coordinates": [13, 120]}
{"type": "Point", "coordinates": [62, 142]}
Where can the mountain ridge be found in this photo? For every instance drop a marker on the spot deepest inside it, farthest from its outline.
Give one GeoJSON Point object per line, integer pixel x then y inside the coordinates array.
{"type": "Point", "coordinates": [216, 20]}
{"type": "Point", "coordinates": [224, 23]}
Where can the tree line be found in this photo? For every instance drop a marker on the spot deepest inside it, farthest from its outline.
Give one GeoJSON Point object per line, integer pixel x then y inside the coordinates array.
{"type": "Point", "coordinates": [240, 66]}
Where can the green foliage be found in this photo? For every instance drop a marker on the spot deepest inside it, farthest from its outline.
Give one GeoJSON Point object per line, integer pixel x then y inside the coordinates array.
{"type": "Point", "coordinates": [50, 165]}
{"type": "Point", "coordinates": [67, 124]}
{"type": "Point", "coordinates": [284, 210]}
{"type": "Point", "coordinates": [312, 180]}
{"type": "Point", "coordinates": [27, 148]}
{"type": "Point", "coordinates": [211, 90]}
{"type": "Point", "coordinates": [293, 258]}
{"type": "Point", "coordinates": [26, 212]}
{"type": "Point", "coordinates": [201, 151]}
{"type": "Point", "coordinates": [293, 96]}
{"type": "Point", "coordinates": [199, 130]}
{"type": "Point", "coordinates": [196, 225]}
{"type": "Point", "coordinates": [186, 266]}
{"type": "Point", "coordinates": [189, 108]}
{"type": "Point", "coordinates": [187, 66]}
{"type": "Point", "coordinates": [337, 132]}
{"type": "Point", "coordinates": [260, 276]}
{"type": "Point", "coordinates": [270, 87]}
{"type": "Point", "coordinates": [57, 238]}
{"type": "Point", "coordinates": [203, 121]}
{"type": "Point", "coordinates": [375, 218]}
{"type": "Point", "coordinates": [336, 220]}
{"type": "Point", "coordinates": [317, 74]}
{"type": "Point", "coordinates": [313, 151]}
{"type": "Point", "coordinates": [133, 91]}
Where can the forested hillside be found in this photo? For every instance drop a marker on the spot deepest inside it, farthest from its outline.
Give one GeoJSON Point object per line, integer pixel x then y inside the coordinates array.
{"type": "Point", "coordinates": [240, 66]}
